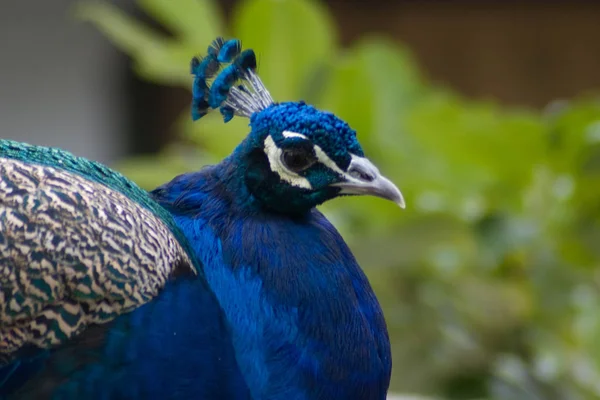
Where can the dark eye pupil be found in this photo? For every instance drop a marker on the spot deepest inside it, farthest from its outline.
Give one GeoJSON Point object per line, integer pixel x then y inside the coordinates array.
{"type": "Point", "coordinates": [296, 160]}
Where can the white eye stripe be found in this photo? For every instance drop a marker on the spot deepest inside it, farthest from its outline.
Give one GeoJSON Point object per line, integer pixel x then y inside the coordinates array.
{"type": "Point", "coordinates": [274, 155]}
{"type": "Point", "coordinates": [289, 134]}
{"type": "Point", "coordinates": [321, 155]}
{"type": "Point", "coordinates": [326, 161]}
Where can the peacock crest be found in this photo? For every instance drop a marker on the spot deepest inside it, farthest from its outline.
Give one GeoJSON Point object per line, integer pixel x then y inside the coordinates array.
{"type": "Point", "coordinates": [234, 88]}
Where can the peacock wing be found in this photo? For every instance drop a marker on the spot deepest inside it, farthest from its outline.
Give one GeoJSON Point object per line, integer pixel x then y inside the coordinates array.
{"type": "Point", "coordinates": [74, 252]}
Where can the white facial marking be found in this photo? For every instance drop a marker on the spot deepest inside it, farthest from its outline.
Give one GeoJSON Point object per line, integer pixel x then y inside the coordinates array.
{"type": "Point", "coordinates": [321, 155]}
{"type": "Point", "coordinates": [326, 161]}
{"type": "Point", "coordinates": [274, 155]}
{"type": "Point", "coordinates": [289, 134]}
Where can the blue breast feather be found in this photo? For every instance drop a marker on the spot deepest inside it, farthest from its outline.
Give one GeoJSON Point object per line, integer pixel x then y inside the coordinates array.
{"type": "Point", "coordinates": [176, 346]}
{"type": "Point", "coordinates": [305, 321]}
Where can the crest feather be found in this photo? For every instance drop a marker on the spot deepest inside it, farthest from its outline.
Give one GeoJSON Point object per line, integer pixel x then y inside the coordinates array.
{"type": "Point", "coordinates": [235, 90]}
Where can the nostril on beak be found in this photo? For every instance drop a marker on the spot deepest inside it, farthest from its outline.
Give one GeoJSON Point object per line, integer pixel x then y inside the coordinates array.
{"type": "Point", "coordinates": [365, 176]}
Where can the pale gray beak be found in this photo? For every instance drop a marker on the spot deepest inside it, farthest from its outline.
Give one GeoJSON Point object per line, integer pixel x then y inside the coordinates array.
{"type": "Point", "coordinates": [363, 178]}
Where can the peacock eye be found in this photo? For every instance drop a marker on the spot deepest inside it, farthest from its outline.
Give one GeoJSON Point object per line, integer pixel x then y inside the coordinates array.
{"type": "Point", "coordinates": [297, 160]}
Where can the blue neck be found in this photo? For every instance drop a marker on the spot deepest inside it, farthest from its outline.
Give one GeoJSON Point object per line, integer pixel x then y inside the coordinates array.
{"type": "Point", "coordinates": [304, 319]}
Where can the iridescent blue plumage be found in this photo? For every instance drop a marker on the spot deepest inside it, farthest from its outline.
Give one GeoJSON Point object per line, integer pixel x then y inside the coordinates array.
{"type": "Point", "coordinates": [305, 322]}
{"type": "Point", "coordinates": [229, 50]}
{"type": "Point", "coordinates": [254, 294]}
{"type": "Point", "coordinates": [222, 84]}
{"type": "Point", "coordinates": [245, 99]}
{"type": "Point", "coordinates": [175, 347]}
{"type": "Point", "coordinates": [203, 70]}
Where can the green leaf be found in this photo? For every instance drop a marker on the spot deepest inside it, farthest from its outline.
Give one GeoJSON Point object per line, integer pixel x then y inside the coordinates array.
{"type": "Point", "coordinates": [212, 135]}
{"type": "Point", "coordinates": [129, 34]}
{"type": "Point", "coordinates": [150, 172]}
{"type": "Point", "coordinates": [349, 94]}
{"type": "Point", "coordinates": [572, 132]}
{"type": "Point", "coordinates": [373, 87]}
{"type": "Point", "coordinates": [155, 57]}
{"type": "Point", "coordinates": [476, 148]}
{"type": "Point", "coordinates": [196, 22]}
{"type": "Point", "coordinates": [292, 38]}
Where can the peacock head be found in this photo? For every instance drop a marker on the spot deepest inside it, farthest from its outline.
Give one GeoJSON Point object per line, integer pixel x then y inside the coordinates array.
{"type": "Point", "coordinates": [295, 156]}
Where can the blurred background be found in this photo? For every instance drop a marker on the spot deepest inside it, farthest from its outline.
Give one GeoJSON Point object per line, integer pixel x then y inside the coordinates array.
{"type": "Point", "coordinates": [485, 113]}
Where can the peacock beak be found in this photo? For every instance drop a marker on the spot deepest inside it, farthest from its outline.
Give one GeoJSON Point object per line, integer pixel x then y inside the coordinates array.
{"type": "Point", "coordinates": [363, 178]}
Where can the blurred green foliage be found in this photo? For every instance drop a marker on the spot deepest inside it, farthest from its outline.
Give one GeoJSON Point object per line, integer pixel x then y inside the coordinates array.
{"type": "Point", "coordinates": [490, 279]}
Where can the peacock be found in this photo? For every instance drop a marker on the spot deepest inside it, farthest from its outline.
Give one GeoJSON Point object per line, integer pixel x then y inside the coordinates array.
{"type": "Point", "coordinates": [224, 283]}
